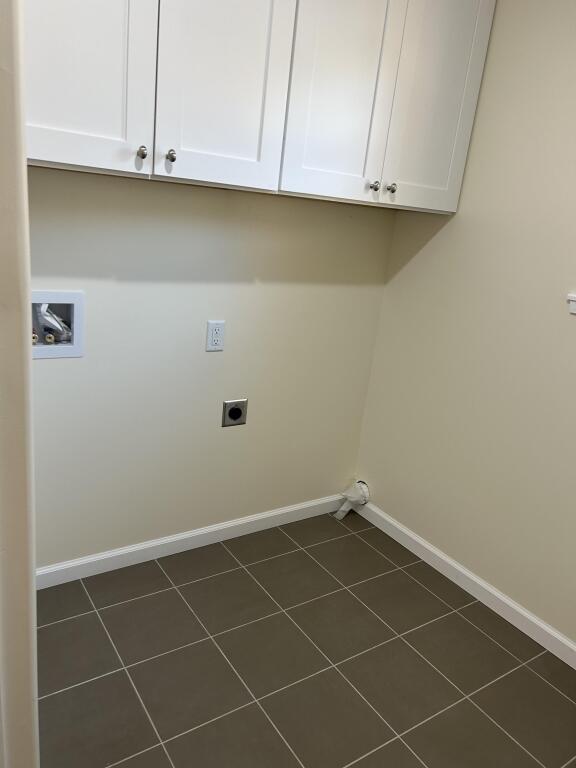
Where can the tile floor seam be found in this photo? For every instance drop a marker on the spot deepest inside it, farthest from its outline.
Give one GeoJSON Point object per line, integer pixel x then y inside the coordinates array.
{"type": "Point", "coordinates": [232, 667]}
{"type": "Point", "coordinates": [401, 567]}
{"type": "Point", "coordinates": [333, 666]}
{"type": "Point", "coordinates": [76, 685]}
{"type": "Point", "coordinates": [497, 724]}
{"type": "Point", "coordinates": [534, 672]}
{"type": "Point", "coordinates": [468, 696]}
{"type": "Point", "coordinates": [136, 691]}
{"type": "Point", "coordinates": [570, 762]}
{"type": "Point", "coordinates": [61, 621]}
{"type": "Point", "coordinates": [372, 752]}
{"type": "Point", "coordinates": [133, 599]}
{"type": "Point", "coordinates": [256, 562]}
{"type": "Point", "coordinates": [136, 754]}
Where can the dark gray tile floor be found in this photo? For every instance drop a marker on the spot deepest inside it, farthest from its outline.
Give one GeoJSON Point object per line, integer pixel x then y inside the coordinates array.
{"type": "Point", "coordinates": [318, 644]}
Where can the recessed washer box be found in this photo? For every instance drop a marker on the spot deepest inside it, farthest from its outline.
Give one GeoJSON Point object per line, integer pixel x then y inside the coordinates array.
{"type": "Point", "coordinates": [57, 324]}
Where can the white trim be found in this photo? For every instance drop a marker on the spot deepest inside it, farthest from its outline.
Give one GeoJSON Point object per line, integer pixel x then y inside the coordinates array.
{"type": "Point", "coordinates": [520, 617]}
{"type": "Point", "coordinates": [59, 573]}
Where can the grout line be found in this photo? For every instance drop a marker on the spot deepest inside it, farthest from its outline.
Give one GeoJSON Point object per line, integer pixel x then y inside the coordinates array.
{"type": "Point", "coordinates": [61, 621]}
{"type": "Point", "coordinates": [570, 763]}
{"type": "Point", "coordinates": [209, 722]}
{"type": "Point", "coordinates": [202, 578]}
{"type": "Point", "coordinates": [136, 754]}
{"type": "Point", "coordinates": [263, 560]}
{"type": "Point", "coordinates": [82, 682]}
{"type": "Point", "coordinates": [132, 599]}
{"type": "Point", "coordinates": [372, 752]}
{"type": "Point", "coordinates": [233, 668]}
{"type": "Point", "coordinates": [534, 672]}
{"type": "Point", "coordinates": [130, 678]}
{"type": "Point", "coordinates": [401, 567]}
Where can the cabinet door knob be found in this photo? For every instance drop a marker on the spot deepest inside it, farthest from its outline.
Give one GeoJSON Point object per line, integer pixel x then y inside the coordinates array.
{"type": "Point", "coordinates": [171, 155]}
{"type": "Point", "coordinates": [392, 187]}
{"type": "Point", "coordinates": [375, 186]}
{"type": "Point", "coordinates": [142, 152]}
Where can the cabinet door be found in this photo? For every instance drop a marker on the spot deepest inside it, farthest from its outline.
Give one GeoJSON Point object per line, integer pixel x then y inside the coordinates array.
{"type": "Point", "coordinates": [90, 82]}
{"type": "Point", "coordinates": [223, 71]}
{"type": "Point", "coordinates": [439, 75]}
{"type": "Point", "coordinates": [345, 61]}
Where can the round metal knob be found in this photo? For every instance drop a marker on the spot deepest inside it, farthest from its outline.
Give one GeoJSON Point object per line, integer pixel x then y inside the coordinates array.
{"type": "Point", "coordinates": [171, 155]}
{"type": "Point", "coordinates": [375, 186]}
{"type": "Point", "coordinates": [392, 187]}
{"type": "Point", "coordinates": [142, 152]}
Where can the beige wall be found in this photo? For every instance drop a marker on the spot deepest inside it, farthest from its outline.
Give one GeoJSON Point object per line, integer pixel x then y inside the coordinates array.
{"type": "Point", "coordinates": [128, 439]}
{"type": "Point", "coordinates": [470, 428]}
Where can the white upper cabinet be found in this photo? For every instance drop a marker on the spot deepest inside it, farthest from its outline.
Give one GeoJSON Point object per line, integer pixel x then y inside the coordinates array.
{"type": "Point", "coordinates": [439, 74]}
{"type": "Point", "coordinates": [343, 74]}
{"type": "Point", "coordinates": [90, 82]}
{"type": "Point", "coordinates": [223, 71]}
{"type": "Point", "coordinates": [370, 101]}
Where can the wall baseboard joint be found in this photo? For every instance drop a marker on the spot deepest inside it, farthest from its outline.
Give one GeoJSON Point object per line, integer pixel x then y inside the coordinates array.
{"type": "Point", "coordinates": [550, 638]}
{"type": "Point", "coordinates": [59, 573]}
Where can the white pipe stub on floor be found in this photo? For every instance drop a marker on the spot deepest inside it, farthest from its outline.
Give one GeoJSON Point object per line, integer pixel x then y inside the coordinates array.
{"type": "Point", "coordinates": [356, 495]}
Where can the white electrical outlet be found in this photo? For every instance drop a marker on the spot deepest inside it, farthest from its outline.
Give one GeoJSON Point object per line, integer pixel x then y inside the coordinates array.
{"type": "Point", "coordinates": [215, 335]}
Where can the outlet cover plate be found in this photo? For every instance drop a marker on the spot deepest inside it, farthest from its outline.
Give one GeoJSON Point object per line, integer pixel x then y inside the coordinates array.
{"type": "Point", "coordinates": [234, 412]}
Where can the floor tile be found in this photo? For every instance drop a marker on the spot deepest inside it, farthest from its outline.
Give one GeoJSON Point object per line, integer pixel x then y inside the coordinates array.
{"type": "Point", "coordinates": [462, 737]}
{"type": "Point", "coordinates": [393, 755]}
{"type": "Point", "coordinates": [340, 625]}
{"type": "Point", "coordinates": [72, 652]}
{"type": "Point", "coordinates": [186, 688]}
{"type": "Point", "coordinates": [355, 522]}
{"type": "Point", "coordinates": [557, 673]}
{"type": "Point", "coordinates": [61, 602]}
{"type": "Point", "coordinates": [243, 739]}
{"type": "Point", "coordinates": [315, 529]}
{"type": "Point", "coordinates": [400, 684]}
{"type": "Point", "coordinates": [532, 712]}
{"type": "Point", "coordinates": [389, 547]}
{"type": "Point", "coordinates": [466, 656]}
{"type": "Point", "coordinates": [325, 721]}
{"type": "Point", "coordinates": [443, 588]}
{"type": "Point", "coordinates": [260, 545]}
{"type": "Point", "coordinates": [500, 630]}
{"type": "Point", "coordinates": [400, 601]}
{"type": "Point", "coordinates": [270, 654]}
{"type": "Point", "coordinates": [293, 578]}
{"type": "Point", "coordinates": [93, 725]}
{"type": "Point", "coordinates": [154, 758]}
{"type": "Point", "coordinates": [350, 559]}
{"type": "Point", "coordinates": [151, 625]}
{"type": "Point", "coordinates": [197, 563]}
{"type": "Point", "coordinates": [228, 600]}
{"type": "Point", "coordinates": [126, 583]}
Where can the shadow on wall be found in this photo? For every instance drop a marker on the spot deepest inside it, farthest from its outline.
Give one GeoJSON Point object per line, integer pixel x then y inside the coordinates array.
{"type": "Point", "coordinates": [417, 229]}
{"type": "Point", "coordinates": [86, 225]}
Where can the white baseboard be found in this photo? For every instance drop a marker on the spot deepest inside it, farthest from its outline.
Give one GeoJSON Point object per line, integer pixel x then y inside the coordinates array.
{"type": "Point", "coordinates": [520, 617]}
{"type": "Point", "coordinates": [59, 573]}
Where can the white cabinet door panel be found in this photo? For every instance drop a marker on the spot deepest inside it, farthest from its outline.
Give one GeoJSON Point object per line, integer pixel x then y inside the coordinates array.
{"type": "Point", "coordinates": [223, 76]}
{"type": "Point", "coordinates": [345, 60]}
{"type": "Point", "coordinates": [439, 74]}
{"type": "Point", "coordinates": [90, 82]}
